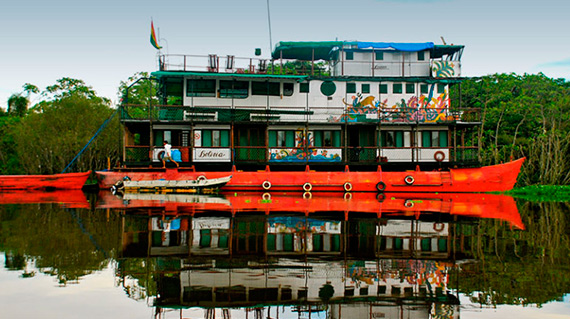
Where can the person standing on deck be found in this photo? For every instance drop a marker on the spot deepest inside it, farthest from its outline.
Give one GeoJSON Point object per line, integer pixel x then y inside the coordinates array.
{"type": "Point", "coordinates": [168, 155]}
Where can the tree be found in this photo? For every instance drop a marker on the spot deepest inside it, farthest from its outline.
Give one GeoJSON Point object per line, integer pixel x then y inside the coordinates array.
{"type": "Point", "coordinates": [58, 127]}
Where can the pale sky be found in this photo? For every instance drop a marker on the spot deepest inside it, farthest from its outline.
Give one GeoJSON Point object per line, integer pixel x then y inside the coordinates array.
{"type": "Point", "coordinates": [104, 42]}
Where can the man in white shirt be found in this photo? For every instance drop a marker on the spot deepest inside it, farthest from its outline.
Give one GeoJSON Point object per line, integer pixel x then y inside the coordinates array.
{"type": "Point", "coordinates": [167, 155]}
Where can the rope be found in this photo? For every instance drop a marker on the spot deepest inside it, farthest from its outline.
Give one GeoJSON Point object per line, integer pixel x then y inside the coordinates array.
{"type": "Point", "coordinates": [91, 140]}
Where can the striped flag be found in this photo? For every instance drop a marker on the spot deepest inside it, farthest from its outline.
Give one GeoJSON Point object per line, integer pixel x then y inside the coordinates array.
{"type": "Point", "coordinates": [153, 39]}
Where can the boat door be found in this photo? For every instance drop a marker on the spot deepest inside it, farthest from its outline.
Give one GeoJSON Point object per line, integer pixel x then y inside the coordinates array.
{"type": "Point", "coordinates": [362, 143]}
{"type": "Point", "coordinates": [249, 143]}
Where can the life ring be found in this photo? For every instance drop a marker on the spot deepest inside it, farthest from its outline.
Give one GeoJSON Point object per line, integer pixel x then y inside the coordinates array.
{"type": "Point", "coordinates": [201, 178]}
{"type": "Point", "coordinates": [380, 186]}
{"type": "Point", "coordinates": [307, 187]}
{"type": "Point", "coordinates": [266, 196]}
{"type": "Point", "coordinates": [266, 185]}
{"type": "Point", "coordinates": [380, 197]}
{"type": "Point", "coordinates": [347, 186]}
{"type": "Point", "coordinates": [408, 203]}
{"type": "Point", "coordinates": [307, 195]}
{"type": "Point", "coordinates": [347, 196]}
{"type": "Point", "coordinates": [438, 226]}
{"type": "Point", "coordinates": [409, 179]}
{"type": "Point", "coordinates": [439, 156]}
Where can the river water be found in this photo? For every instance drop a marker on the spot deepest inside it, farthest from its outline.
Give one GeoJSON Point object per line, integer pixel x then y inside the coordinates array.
{"type": "Point", "coordinates": [71, 254]}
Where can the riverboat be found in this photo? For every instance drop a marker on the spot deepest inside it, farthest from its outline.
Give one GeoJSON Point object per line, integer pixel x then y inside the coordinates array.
{"type": "Point", "coordinates": [44, 182]}
{"type": "Point", "coordinates": [316, 116]}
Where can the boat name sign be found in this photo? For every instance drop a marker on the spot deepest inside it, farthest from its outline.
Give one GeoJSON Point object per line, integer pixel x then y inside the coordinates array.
{"type": "Point", "coordinates": [209, 155]}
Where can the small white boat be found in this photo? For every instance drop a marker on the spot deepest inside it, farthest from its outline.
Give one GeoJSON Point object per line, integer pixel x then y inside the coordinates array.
{"type": "Point", "coordinates": [161, 186]}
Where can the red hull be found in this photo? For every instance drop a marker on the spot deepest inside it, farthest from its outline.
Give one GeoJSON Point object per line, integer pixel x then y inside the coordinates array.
{"type": "Point", "coordinates": [49, 182]}
{"type": "Point", "coordinates": [495, 178]}
{"type": "Point", "coordinates": [72, 198]}
{"type": "Point", "coordinates": [382, 205]}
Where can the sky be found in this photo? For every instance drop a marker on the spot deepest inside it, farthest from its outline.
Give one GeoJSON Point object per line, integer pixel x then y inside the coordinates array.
{"type": "Point", "coordinates": [105, 42]}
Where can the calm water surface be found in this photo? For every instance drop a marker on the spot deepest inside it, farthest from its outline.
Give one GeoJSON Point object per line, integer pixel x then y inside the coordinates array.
{"type": "Point", "coordinates": [70, 255]}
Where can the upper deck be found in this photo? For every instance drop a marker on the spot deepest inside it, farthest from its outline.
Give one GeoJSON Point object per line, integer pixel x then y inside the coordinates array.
{"type": "Point", "coordinates": [333, 58]}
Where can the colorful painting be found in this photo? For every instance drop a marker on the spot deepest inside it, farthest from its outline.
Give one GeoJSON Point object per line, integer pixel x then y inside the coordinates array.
{"type": "Point", "coordinates": [425, 109]}
{"type": "Point", "coordinates": [302, 155]}
{"type": "Point", "coordinates": [443, 69]}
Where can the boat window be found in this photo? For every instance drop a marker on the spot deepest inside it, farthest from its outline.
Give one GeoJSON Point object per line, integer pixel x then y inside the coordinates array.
{"type": "Point", "coordinates": [424, 89]}
{"type": "Point", "coordinates": [395, 139]}
{"type": "Point", "coordinates": [200, 87]}
{"type": "Point", "coordinates": [265, 88]}
{"type": "Point", "coordinates": [441, 88]}
{"type": "Point", "coordinates": [212, 138]}
{"type": "Point", "coordinates": [234, 89]}
{"type": "Point", "coordinates": [410, 88]}
{"type": "Point", "coordinates": [288, 89]}
{"type": "Point", "coordinates": [350, 88]}
{"type": "Point", "coordinates": [304, 87]}
{"type": "Point", "coordinates": [421, 55]}
{"type": "Point", "coordinates": [397, 88]}
{"type": "Point", "coordinates": [281, 138]}
{"type": "Point", "coordinates": [379, 55]}
{"type": "Point", "coordinates": [173, 91]}
{"type": "Point", "coordinates": [349, 55]}
{"type": "Point", "coordinates": [365, 88]}
{"type": "Point", "coordinates": [326, 138]}
{"type": "Point", "coordinates": [383, 89]}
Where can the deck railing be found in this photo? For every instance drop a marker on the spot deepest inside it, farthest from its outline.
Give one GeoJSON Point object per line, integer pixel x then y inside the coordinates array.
{"type": "Point", "coordinates": [384, 115]}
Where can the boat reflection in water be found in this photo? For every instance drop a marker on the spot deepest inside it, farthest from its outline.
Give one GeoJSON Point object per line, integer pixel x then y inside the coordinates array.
{"type": "Point", "coordinates": [358, 256]}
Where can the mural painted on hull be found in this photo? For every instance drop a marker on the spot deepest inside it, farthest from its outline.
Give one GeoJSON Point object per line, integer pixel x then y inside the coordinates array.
{"type": "Point", "coordinates": [424, 109]}
{"type": "Point", "coordinates": [299, 153]}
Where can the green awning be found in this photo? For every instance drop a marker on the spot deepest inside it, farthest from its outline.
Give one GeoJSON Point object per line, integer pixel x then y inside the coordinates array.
{"type": "Point", "coordinates": [170, 74]}
{"type": "Point", "coordinates": [305, 50]}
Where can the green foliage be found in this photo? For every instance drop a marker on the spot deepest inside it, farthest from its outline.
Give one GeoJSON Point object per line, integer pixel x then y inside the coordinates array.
{"type": "Point", "coordinates": [523, 116]}
{"type": "Point", "coordinates": [139, 89]}
{"type": "Point", "coordinates": [44, 139]}
{"type": "Point", "coordinates": [543, 193]}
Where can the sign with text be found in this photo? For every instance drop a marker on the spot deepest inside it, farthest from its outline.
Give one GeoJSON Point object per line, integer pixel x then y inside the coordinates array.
{"type": "Point", "coordinates": [212, 155]}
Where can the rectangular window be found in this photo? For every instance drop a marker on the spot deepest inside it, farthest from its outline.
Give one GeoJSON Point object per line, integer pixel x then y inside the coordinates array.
{"type": "Point", "coordinates": [201, 87]}
{"type": "Point", "coordinates": [395, 138]}
{"type": "Point", "coordinates": [288, 89]}
{"type": "Point", "coordinates": [383, 88]}
{"type": "Point", "coordinates": [379, 55]}
{"type": "Point", "coordinates": [397, 88]}
{"type": "Point", "coordinates": [281, 138]}
{"type": "Point", "coordinates": [387, 139]}
{"type": "Point", "coordinates": [304, 87]}
{"type": "Point", "coordinates": [350, 87]}
{"type": "Point", "coordinates": [234, 89]}
{"type": "Point", "coordinates": [265, 88]}
{"type": "Point", "coordinates": [441, 88]}
{"type": "Point", "coordinates": [213, 138]}
{"type": "Point", "coordinates": [174, 89]}
{"type": "Point", "coordinates": [410, 88]}
{"type": "Point", "coordinates": [421, 55]}
{"type": "Point", "coordinates": [434, 139]}
{"type": "Point", "coordinates": [424, 89]}
{"type": "Point", "coordinates": [326, 138]}
{"type": "Point", "coordinates": [349, 55]}
{"type": "Point", "coordinates": [365, 88]}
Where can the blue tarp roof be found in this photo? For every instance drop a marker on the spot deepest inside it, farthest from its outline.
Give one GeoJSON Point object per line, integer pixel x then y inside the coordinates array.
{"type": "Point", "coordinates": [325, 50]}
{"type": "Point", "coordinates": [408, 47]}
